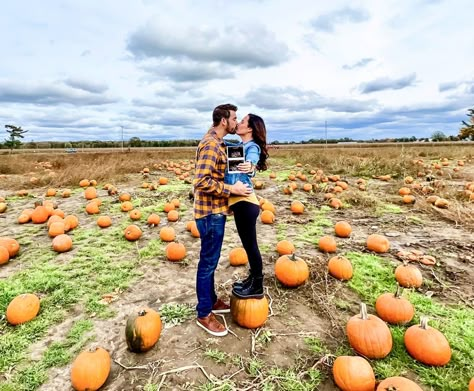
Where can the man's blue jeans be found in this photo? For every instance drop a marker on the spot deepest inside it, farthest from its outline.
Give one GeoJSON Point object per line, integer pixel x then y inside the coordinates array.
{"type": "Point", "coordinates": [211, 228]}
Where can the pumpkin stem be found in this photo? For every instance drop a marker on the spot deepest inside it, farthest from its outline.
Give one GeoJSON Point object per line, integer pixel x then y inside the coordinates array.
{"type": "Point", "coordinates": [424, 322]}
{"type": "Point", "coordinates": [399, 291]}
{"type": "Point", "coordinates": [142, 313]}
{"type": "Point", "coordinates": [293, 257]}
{"type": "Point", "coordinates": [363, 311]}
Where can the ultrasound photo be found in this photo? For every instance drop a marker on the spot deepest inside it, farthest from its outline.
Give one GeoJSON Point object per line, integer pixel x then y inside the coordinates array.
{"type": "Point", "coordinates": [232, 165]}
{"type": "Point", "coordinates": [235, 151]}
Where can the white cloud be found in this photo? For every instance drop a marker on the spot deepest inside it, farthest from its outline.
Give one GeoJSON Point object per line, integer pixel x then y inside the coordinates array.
{"type": "Point", "coordinates": [81, 70]}
{"type": "Point", "coordinates": [388, 83]}
{"type": "Point", "coordinates": [250, 45]}
{"type": "Point", "coordinates": [329, 21]}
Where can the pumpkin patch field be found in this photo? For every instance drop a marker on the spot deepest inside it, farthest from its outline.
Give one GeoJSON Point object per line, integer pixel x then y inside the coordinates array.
{"type": "Point", "coordinates": [368, 256]}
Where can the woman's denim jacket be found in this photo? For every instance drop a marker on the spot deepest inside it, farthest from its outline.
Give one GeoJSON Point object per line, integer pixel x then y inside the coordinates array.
{"type": "Point", "coordinates": [252, 154]}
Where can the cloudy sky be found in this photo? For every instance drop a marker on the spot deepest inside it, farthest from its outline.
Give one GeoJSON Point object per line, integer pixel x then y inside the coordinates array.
{"type": "Point", "coordinates": [80, 70]}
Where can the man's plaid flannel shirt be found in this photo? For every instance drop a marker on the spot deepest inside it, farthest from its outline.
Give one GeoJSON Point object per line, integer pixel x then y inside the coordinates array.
{"type": "Point", "coordinates": [210, 193]}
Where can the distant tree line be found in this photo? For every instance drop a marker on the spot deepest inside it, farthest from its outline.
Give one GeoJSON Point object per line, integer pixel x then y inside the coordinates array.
{"type": "Point", "coordinates": [16, 133]}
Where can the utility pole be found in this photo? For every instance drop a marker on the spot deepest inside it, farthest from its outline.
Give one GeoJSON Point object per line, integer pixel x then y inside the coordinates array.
{"type": "Point", "coordinates": [122, 138]}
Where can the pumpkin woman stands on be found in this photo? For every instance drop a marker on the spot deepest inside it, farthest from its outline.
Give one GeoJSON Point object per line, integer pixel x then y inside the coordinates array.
{"type": "Point", "coordinates": [253, 133]}
{"type": "Point", "coordinates": [211, 197]}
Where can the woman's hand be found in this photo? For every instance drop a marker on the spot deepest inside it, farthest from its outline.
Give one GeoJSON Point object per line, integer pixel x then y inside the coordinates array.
{"type": "Point", "coordinates": [245, 167]}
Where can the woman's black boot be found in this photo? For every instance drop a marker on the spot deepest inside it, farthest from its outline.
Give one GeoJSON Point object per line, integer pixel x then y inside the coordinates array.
{"type": "Point", "coordinates": [254, 290]}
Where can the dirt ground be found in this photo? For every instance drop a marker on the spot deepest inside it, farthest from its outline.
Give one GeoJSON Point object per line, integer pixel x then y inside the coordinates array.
{"type": "Point", "coordinates": [177, 361]}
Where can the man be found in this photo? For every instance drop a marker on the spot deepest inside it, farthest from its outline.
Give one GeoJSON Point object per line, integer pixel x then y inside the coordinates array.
{"type": "Point", "coordinates": [210, 210]}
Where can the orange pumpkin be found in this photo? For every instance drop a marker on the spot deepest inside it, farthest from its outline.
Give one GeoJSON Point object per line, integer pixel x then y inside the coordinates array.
{"type": "Point", "coordinates": [327, 244]}
{"type": "Point", "coordinates": [238, 256]}
{"type": "Point", "coordinates": [40, 215]}
{"type": "Point", "coordinates": [471, 383]}
{"type": "Point", "coordinates": [268, 206]}
{"type": "Point", "coordinates": [58, 212]}
{"type": "Point", "coordinates": [168, 206]}
{"type": "Point", "coordinates": [126, 206]}
{"type": "Point", "coordinates": [153, 220]}
{"type": "Point", "coordinates": [163, 180]}
{"type": "Point", "coordinates": [167, 234]}
{"type": "Point", "coordinates": [335, 203]}
{"type": "Point", "coordinates": [50, 192]}
{"type": "Point", "coordinates": [408, 276]}
{"type": "Point", "coordinates": [194, 231]}
{"type": "Point", "coordinates": [285, 247]}
{"type": "Point", "coordinates": [378, 243]}
{"type": "Point", "coordinates": [393, 308]}
{"type": "Point", "coordinates": [353, 373]}
{"type": "Point", "coordinates": [176, 203]}
{"type": "Point", "coordinates": [72, 221]}
{"type": "Point", "coordinates": [291, 271]}
{"type": "Point", "coordinates": [398, 383]}
{"type": "Point", "coordinates": [408, 199]}
{"type": "Point", "coordinates": [90, 193]}
{"type": "Point", "coordinates": [56, 228]}
{"type": "Point", "coordinates": [11, 245]}
{"type": "Point", "coordinates": [143, 330]}
{"type": "Point", "coordinates": [267, 217]}
{"type": "Point", "coordinates": [62, 243]}
{"type": "Point", "coordinates": [340, 268]}
{"type": "Point", "coordinates": [288, 190]}
{"type": "Point", "coordinates": [249, 313]}
{"type": "Point", "coordinates": [4, 255]}
{"type": "Point", "coordinates": [441, 203]}
{"type": "Point", "coordinates": [432, 199]}
{"type": "Point", "coordinates": [132, 233]}
{"type": "Point", "coordinates": [23, 218]}
{"type": "Point", "coordinates": [173, 215]}
{"type": "Point", "coordinates": [427, 344]}
{"type": "Point", "coordinates": [125, 197]}
{"type": "Point", "coordinates": [175, 252]}
{"type": "Point", "coordinates": [297, 207]}
{"type": "Point", "coordinates": [84, 183]}
{"type": "Point", "coordinates": [135, 214]}
{"type": "Point", "coordinates": [404, 191]}
{"type": "Point", "coordinates": [342, 229]}
{"type": "Point", "coordinates": [92, 208]}
{"type": "Point", "coordinates": [369, 335]}
{"type": "Point", "coordinates": [90, 370]}
{"type": "Point", "coordinates": [54, 219]}
{"type": "Point", "coordinates": [23, 308]}
{"type": "Point", "coordinates": [104, 221]}
{"type": "Point", "coordinates": [66, 193]}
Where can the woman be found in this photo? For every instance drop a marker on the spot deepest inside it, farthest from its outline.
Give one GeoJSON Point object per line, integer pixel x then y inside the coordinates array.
{"type": "Point", "coordinates": [253, 133]}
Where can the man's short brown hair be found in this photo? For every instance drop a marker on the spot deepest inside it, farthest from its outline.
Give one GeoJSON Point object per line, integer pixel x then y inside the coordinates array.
{"type": "Point", "coordinates": [222, 111]}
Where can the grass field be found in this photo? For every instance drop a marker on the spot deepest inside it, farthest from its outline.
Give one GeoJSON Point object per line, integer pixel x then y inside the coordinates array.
{"type": "Point", "coordinates": [88, 293]}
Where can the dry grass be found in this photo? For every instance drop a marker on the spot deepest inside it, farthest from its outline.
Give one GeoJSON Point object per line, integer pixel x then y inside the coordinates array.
{"type": "Point", "coordinates": [69, 169]}
{"type": "Point", "coordinates": [368, 161]}
{"type": "Point", "coordinates": [459, 212]}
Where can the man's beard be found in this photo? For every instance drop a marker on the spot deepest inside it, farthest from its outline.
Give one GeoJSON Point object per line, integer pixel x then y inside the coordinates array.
{"type": "Point", "coordinates": [231, 131]}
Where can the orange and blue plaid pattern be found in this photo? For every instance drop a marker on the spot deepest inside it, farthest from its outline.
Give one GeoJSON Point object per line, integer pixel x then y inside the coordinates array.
{"type": "Point", "coordinates": [210, 193]}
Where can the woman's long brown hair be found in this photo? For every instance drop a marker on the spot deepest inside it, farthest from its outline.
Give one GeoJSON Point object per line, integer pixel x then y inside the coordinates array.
{"type": "Point", "coordinates": [259, 135]}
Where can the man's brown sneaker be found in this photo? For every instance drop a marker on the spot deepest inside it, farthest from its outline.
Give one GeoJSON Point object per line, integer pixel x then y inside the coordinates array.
{"type": "Point", "coordinates": [212, 325]}
{"type": "Point", "coordinates": [220, 307]}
